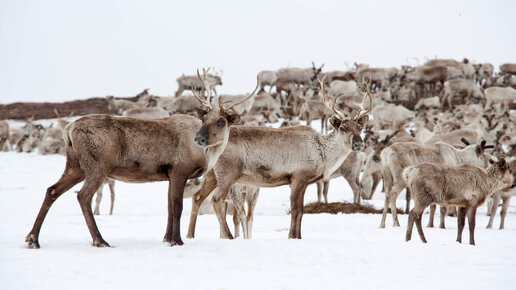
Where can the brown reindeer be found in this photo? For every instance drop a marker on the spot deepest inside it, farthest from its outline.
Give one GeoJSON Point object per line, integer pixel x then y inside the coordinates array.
{"type": "Point", "coordinates": [129, 150]}
{"type": "Point", "coordinates": [398, 156]}
{"type": "Point", "coordinates": [466, 186]}
{"type": "Point", "coordinates": [264, 157]}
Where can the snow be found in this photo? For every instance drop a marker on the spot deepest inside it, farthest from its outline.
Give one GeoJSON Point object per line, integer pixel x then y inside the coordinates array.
{"type": "Point", "coordinates": [336, 252]}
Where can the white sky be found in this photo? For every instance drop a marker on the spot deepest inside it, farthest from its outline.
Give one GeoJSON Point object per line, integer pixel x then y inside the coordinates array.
{"type": "Point", "coordinates": [64, 50]}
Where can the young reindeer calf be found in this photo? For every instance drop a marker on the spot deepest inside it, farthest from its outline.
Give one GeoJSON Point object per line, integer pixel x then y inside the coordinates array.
{"type": "Point", "coordinates": [466, 186]}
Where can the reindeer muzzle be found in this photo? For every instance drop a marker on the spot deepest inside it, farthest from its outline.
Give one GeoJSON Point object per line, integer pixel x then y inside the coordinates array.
{"type": "Point", "coordinates": [358, 144]}
{"type": "Point", "coordinates": [201, 139]}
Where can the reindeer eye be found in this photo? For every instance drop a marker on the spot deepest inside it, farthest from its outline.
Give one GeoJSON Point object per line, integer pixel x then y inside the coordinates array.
{"type": "Point", "coordinates": [342, 128]}
{"type": "Point", "coordinates": [221, 122]}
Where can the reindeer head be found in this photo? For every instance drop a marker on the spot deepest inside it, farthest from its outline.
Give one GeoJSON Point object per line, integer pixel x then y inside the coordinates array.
{"type": "Point", "coordinates": [348, 130]}
{"type": "Point", "coordinates": [216, 121]}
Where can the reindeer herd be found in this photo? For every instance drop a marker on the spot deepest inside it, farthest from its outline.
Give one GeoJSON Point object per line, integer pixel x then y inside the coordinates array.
{"type": "Point", "coordinates": [444, 131]}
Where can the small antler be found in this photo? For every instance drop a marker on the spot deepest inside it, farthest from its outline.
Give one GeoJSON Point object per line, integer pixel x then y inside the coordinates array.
{"type": "Point", "coordinates": [204, 81]}
{"type": "Point", "coordinates": [362, 113]}
{"type": "Point", "coordinates": [389, 137]}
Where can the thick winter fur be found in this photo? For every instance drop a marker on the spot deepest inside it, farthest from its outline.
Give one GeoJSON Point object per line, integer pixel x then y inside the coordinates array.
{"type": "Point", "coordinates": [130, 150]}
{"type": "Point", "coordinates": [466, 186]}
{"type": "Point", "coordinates": [264, 157]}
{"type": "Point", "coordinates": [400, 155]}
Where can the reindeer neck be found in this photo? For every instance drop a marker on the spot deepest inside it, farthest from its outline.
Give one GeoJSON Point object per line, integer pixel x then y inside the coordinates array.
{"type": "Point", "coordinates": [334, 153]}
{"type": "Point", "coordinates": [213, 153]}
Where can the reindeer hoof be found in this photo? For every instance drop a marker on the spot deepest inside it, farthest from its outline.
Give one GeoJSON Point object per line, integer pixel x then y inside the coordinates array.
{"type": "Point", "coordinates": [176, 243]}
{"type": "Point", "coordinates": [100, 244]}
{"type": "Point", "coordinates": [32, 242]}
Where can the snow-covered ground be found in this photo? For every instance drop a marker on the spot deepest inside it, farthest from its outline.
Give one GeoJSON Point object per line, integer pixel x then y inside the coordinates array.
{"type": "Point", "coordinates": [336, 252]}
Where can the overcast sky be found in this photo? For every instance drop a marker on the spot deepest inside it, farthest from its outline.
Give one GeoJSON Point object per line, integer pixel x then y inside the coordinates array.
{"type": "Point", "coordinates": [64, 50]}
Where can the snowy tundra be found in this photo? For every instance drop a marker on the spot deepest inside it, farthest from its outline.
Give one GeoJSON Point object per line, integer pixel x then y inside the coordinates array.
{"type": "Point", "coordinates": [336, 252]}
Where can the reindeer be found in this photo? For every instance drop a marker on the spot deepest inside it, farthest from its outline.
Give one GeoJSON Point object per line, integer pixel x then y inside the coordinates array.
{"type": "Point", "coordinates": [288, 78]}
{"type": "Point", "coordinates": [147, 113]}
{"type": "Point", "coordinates": [499, 95]}
{"type": "Point", "coordinates": [466, 186]}
{"type": "Point", "coordinates": [263, 157]}
{"type": "Point", "coordinates": [268, 78]}
{"type": "Point", "coordinates": [130, 150]}
{"type": "Point", "coordinates": [505, 194]}
{"type": "Point", "coordinates": [401, 155]}
{"type": "Point", "coordinates": [465, 89]}
{"type": "Point", "coordinates": [192, 82]}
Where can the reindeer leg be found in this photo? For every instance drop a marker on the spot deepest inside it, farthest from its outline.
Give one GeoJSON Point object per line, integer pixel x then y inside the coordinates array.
{"type": "Point", "coordinates": [494, 208]}
{"type": "Point", "coordinates": [70, 177]}
{"type": "Point", "coordinates": [503, 212]}
{"type": "Point", "coordinates": [385, 209]}
{"type": "Point", "coordinates": [420, 227]}
{"type": "Point", "coordinates": [461, 220]}
{"type": "Point", "coordinates": [407, 198]}
{"type": "Point", "coordinates": [355, 187]}
{"type": "Point", "coordinates": [98, 200]}
{"type": "Point", "coordinates": [208, 185]}
{"type": "Point", "coordinates": [326, 187]}
{"type": "Point", "coordinates": [431, 216]}
{"type": "Point", "coordinates": [176, 187]}
{"type": "Point", "coordinates": [444, 210]}
{"type": "Point", "coordinates": [225, 180]}
{"type": "Point", "coordinates": [410, 224]}
{"type": "Point", "coordinates": [243, 220]}
{"type": "Point", "coordinates": [111, 184]}
{"type": "Point", "coordinates": [297, 195]}
{"type": "Point", "coordinates": [319, 191]}
{"type": "Point", "coordinates": [218, 200]}
{"type": "Point", "coordinates": [85, 195]}
{"type": "Point", "coordinates": [250, 219]}
{"type": "Point", "coordinates": [236, 223]}
{"type": "Point", "coordinates": [472, 212]}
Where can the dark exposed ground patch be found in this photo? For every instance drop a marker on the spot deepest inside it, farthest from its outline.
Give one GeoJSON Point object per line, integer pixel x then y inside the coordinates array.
{"type": "Point", "coordinates": [343, 207]}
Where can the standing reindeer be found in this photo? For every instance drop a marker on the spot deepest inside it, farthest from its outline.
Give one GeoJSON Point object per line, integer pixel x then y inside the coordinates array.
{"type": "Point", "coordinates": [401, 155]}
{"type": "Point", "coordinates": [466, 186]}
{"type": "Point", "coordinates": [262, 157]}
{"type": "Point", "coordinates": [129, 150]}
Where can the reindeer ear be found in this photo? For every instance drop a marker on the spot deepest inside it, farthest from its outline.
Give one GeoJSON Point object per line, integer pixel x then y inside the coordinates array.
{"type": "Point", "coordinates": [200, 112]}
{"type": "Point", "coordinates": [363, 120]}
{"type": "Point", "coordinates": [232, 119]}
{"type": "Point", "coordinates": [502, 162]}
{"type": "Point", "coordinates": [479, 150]}
{"type": "Point", "coordinates": [335, 122]}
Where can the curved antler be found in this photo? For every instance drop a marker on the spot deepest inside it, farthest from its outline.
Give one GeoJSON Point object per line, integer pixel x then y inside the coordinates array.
{"type": "Point", "coordinates": [258, 81]}
{"type": "Point", "coordinates": [361, 113]}
{"type": "Point", "coordinates": [325, 98]}
{"type": "Point", "coordinates": [204, 81]}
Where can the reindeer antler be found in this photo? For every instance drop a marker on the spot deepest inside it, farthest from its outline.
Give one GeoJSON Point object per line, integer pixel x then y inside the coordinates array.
{"type": "Point", "coordinates": [204, 81]}
{"type": "Point", "coordinates": [362, 113]}
{"type": "Point", "coordinates": [258, 82]}
{"type": "Point", "coordinates": [325, 98]}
